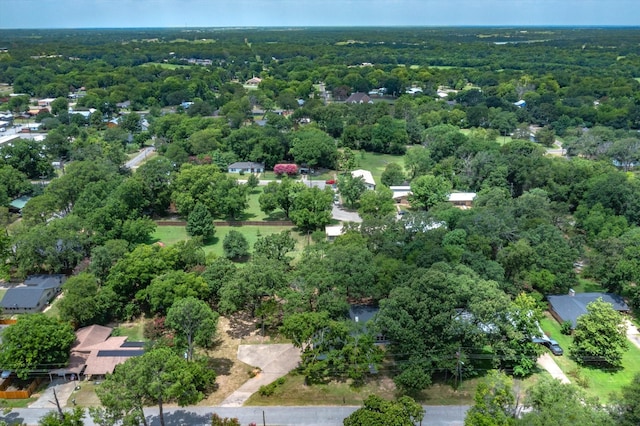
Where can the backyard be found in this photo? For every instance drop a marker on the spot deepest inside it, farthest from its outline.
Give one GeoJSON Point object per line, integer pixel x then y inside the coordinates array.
{"type": "Point", "coordinates": [170, 235]}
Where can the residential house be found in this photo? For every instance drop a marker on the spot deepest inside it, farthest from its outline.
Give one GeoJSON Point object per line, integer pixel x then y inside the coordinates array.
{"type": "Point", "coordinates": [45, 103]}
{"type": "Point", "coordinates": [33, 296]}
{"type": "Point", "coordinates": [18, 204]}
{"type": "Point", "coordinates": [366, 176]}
{"type": "Point", "coordinates": [254, 81]}
{"type": "Point", "coordinates": [97, 353]}
{"type": "Point", "coordinates": [462, 200]}
{"type": "Point", "coordinates": [246, 167]}
{"type": "Point", "coordinates": [569, 307]}
{"type": "Point", "coordinates": [333, 231]}
{"type": "Point", "coordinates": [359, 98]}
{"type": "Point", "coordinates": [366, 314]}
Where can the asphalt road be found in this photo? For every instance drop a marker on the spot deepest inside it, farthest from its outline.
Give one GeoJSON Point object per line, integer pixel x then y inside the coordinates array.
{"type": "Point", "coordinates": [135, 161]}
{"type": "Point", "coordinates": [281, 416]}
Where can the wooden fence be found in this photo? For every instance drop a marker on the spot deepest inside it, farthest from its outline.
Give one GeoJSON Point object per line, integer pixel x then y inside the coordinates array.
{"type": "Point", "coordinates": [230, 223]}
{"type": "Point", "coordinates": [17, 394]}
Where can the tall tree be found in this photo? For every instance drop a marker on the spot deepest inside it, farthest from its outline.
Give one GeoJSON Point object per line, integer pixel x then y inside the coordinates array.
{"type": "Point", "coordinates": [429, 190]}
{"type": "Point", "coordinates": [600, 336]}
{"type": "Point", "coordinates": [351, 188]}
{"type": "Point", "coordinates": [200, 223]}
{"type": "Point", "coordinates": [548, 397]}
{"type": "Point", "coordinates": [194, 321]}
{"type": "Point", "coordinates": [159, 377]}
{"type": "Point", "coordinates": [494, 402]}
{"type": "Point", "coordinates": [275, 246]}
{"type": "Point", "coordinates": [312, 208]}
{"type": "Point", "coordinates": [36, 342]}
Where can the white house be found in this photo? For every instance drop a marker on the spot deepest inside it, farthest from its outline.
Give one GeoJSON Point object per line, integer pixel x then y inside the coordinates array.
{"type": "Point", "coordinates": [366, 176]}
{"type": "Point", "coordinates": [462, 199]}
{"type": "Point", "coordinates": [246, 167]}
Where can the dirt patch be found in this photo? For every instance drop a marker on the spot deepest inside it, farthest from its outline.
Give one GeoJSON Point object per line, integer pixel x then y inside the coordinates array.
{"type": "Point", "coordinates": [231, 373]}
{"type": "Point", "coordinates": [241, 326]}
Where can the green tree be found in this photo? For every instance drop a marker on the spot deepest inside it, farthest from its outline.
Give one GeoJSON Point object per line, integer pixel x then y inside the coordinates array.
{"type": "Point", "coordinates": [69, 418]}
{"type": "Point", "coordinates": [494, 402]}
{"type": "Point", "coordinates": [158, 377]}
{"type": "Point", "coordinates": [36, 342]}
{"type": "Point", "coordinates": [5, 253]}
{"type": "Point", "coordinates": [275, 246]}
{"type": "Point", "coordinates": [252, 285]}
{"type": "Point", "coordinates": [626, 411]}
{"type": "Point", "coordinates": [314, 148]}
{"type": "Point", "coordinates": [600, 336]}
{"type": "Point", "coordinates": [548, 397]}
{"type": "Point", "coordinates": [546, 136]}
{"type": "Point", "coordinates": [280, 195]}
{"type": "Point", "coordinates": [194, 321]}
{"type": "Point", "coordinates": [312, 208]}
{"type": "Point", "coordinates": [429, 190]}
{"type": "Point", "coordinates": [235, 245]}
{"type": "Point", "coordinates": [164, 290]}
{"type": "Point", "coordinates": [393, 174]}
{"type": "Point", "coordinates": [84, 302]}
{"type": "Point", "coordinates": [377, 204]}
{"type": "Point", "coordinates": [377, 411]}
{"type": "Point", "coordinates": [418, 161]}
{"type": "Point", "coordinates": [351, 188]}
{"type": "Point", "coordinates": [200, 223]}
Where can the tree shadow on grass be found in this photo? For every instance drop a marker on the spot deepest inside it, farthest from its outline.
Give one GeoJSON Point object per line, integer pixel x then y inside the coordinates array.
{"type": "Point", "coordinates": [222, 366]}
{"type": "Point", "coordinates": [181, 418]}
{"type": "Point", "coordinates": [241, 325]}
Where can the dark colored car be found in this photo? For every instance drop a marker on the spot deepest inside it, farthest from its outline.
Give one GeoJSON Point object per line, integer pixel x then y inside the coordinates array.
{"type": "Point", "coordinates": [554, 347]}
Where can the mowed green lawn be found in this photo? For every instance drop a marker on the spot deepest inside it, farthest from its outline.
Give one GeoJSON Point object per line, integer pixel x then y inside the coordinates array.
{"type": "Point", "coordinates": [376, 163]}
{"type": "Point", "coordinates": [170, 235]}
{"type": "Point", "coordinates": [601, 383]}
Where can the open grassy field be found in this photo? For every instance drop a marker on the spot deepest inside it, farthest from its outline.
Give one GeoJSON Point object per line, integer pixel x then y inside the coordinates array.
{"type": "Point", "coordinates": [172, 234]}
{"type": "Point", "coordinates": [600, 383]}
{"type": "Point", "coordinates": [376, 163]}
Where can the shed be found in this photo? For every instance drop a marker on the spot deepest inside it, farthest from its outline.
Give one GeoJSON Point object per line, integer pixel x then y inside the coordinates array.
{"type": "Point", "coordinates": [569, 307]}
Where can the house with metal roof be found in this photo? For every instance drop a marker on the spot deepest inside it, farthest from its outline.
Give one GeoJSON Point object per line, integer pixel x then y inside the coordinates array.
{"type": "Point", "coordinates": [366, 176]}
{"type": "Point", "coordinates": [568, 307]}
{"type": "Point", "coordinates": [33, 296]}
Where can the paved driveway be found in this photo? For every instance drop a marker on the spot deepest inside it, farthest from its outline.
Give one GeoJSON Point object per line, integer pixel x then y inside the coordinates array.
{"type": "Point", "coordinates": [343, 215]}
{"type": "Point", "coordinates": [274, 362]}
{"type": "Point", "coordinates": [548, 363]}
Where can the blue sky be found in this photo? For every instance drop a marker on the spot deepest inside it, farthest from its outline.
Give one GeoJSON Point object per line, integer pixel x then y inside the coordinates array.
{"type": "Point", "coordinates": [231, 13]}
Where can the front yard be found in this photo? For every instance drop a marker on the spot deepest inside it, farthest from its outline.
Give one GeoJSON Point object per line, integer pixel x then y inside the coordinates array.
{"type": "Point", "coordinates": [596, 382]}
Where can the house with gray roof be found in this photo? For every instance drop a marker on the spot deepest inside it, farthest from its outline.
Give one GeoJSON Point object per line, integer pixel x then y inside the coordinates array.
{"type": "Point", "coordinates": [246, 167]}
{"type": "Point", "coordinates": [33, 296]}
{"type": "Point", "coordinates": [569, 307]}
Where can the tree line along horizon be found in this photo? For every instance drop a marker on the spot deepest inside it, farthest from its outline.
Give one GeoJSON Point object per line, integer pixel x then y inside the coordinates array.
{"type": "Point", "coordinates": [534, 215]}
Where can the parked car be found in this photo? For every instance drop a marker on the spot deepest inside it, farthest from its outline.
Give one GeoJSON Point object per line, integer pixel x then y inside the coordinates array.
{"type": "Point", "coordinates": [554, 347]}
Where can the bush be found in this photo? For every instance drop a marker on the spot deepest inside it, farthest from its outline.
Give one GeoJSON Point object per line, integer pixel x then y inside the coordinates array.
{"type": "Point", "coordinates": [566, 327]}
{"type": "Point", "coordinates": [271, 388]}
{"type": "Point", "coordinates": [235, 245]}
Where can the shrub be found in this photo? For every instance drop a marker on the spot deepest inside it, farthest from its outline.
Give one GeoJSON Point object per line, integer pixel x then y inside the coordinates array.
{"type": "Point", "coordinates": [270, 389]}
{"type": "Point", "coordinates": [566, 327]}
